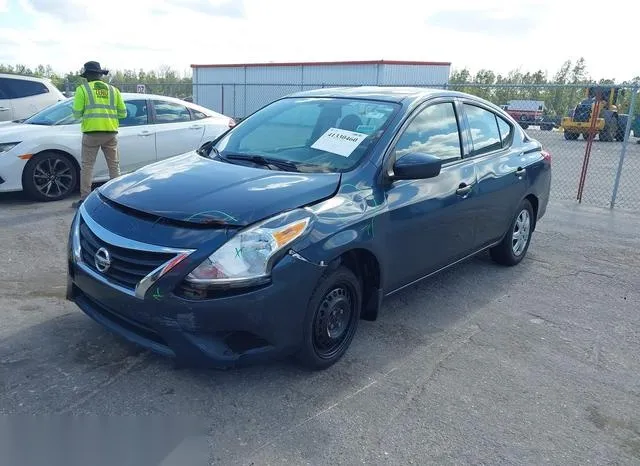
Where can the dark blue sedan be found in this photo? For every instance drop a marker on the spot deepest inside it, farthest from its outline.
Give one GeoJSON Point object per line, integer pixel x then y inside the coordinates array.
{"type": "Point", "coordinates": [279, 236]}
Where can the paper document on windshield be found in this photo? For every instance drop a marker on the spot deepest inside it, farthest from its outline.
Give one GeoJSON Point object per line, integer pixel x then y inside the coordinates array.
{"type": "Point", "coordinates": [339, 141]}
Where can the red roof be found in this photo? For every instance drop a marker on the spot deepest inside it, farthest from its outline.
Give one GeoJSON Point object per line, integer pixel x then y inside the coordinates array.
{"type": "Point", "coordinates": [323, 63]}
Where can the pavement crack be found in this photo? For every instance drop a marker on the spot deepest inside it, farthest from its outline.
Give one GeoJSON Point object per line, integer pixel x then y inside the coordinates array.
{"type": "Point", "coordinates": [590, 272]}
{"type": "Point", "coordinates": [130, 363]}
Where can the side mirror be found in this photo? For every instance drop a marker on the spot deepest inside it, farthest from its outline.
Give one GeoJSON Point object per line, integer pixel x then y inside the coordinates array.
{"type": "Point", "coordinates": [417, 166]}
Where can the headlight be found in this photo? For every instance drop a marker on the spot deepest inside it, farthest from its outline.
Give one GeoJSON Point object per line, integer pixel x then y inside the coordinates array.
{"type": "Point", "coordinates": [7, 146]}
{"type": "Point", "coordinates": [247, 258]}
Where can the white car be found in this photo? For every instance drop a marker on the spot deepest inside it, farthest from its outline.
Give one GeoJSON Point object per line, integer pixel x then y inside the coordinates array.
{"type": "Point", "coordinates": [41, 155]}
{"type": "Point", "coordinates": [23, 96]}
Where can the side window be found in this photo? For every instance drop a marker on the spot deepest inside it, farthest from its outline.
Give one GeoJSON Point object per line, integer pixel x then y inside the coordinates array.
{"type": "Point", "coordinates": [4, 92]}
{"type": "Point", "coordinates": [434, 131]}
{"type": "Point", "coordinates": [137, 113]}
{"type": "Point", "coordinates": [506, 132]}
{"type": "Point", "coordinates": [484, 129]}
{"type": "Point", "coordinates": [169, 112]}
{"type": "Point", "coordinates": [20, 88]}
{"type": "Point", "coordinates": [198, 115]}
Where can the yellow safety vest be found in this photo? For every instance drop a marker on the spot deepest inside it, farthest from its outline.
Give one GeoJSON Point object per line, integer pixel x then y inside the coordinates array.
{"type": "Point", "coordinates": [100, 106]}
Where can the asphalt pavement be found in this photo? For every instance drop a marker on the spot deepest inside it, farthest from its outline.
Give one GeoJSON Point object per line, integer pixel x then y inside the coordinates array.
{"type": "Point", "coordinates": [536, 364]}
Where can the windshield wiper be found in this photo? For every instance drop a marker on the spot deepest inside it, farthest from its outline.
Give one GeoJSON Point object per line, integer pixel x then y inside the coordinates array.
{"type": "Point", "coordinates": [264, 161]}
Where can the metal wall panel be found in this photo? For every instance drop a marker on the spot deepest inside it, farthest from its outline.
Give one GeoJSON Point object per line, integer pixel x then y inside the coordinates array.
{"type": "Point", "coordinates": [248, 88]}
{"type": "Point", "coordinates": [259, 96]}
{"type": "Point", "coordinates": [209, 96]}
{"type": "Point", "coordinates": [340, 74]}
{"type": "Point", "coordinates": [220, 75]}
{"type": "Point", "coordinates": [413, 75]}
{"type": "Point", "coordinates": [229, 99]}
{"type": "Point", "coordinates": [274, 75]}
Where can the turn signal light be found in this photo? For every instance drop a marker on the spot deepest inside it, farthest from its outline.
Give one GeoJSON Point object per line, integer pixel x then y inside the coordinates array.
{"type": "Point", "coordinates": [546, 155]}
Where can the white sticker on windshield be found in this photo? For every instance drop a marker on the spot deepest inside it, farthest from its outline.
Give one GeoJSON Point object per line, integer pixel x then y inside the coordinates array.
{"type": "Point", "coordinates": [339, 141]}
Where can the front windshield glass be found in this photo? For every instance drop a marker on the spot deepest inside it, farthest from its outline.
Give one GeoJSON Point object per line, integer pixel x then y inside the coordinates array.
{"type": "Point", "coordinates": [315, 134]}
{"type": "Point", "coordinates": [57, 114]}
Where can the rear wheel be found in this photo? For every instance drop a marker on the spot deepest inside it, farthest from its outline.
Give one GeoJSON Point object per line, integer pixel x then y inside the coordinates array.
{"type": "Point", "coordinates": [50, 176]}
{"type": "Point", "coordinates": [332, 319]}
{"type": "Point", "coordinates": [515, 244]}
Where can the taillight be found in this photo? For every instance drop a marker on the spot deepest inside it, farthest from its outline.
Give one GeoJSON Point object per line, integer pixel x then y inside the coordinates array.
{"type": "Point", "coordinates": [546, 155]}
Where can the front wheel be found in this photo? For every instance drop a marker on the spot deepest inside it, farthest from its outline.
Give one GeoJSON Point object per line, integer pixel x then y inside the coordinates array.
{"type": "Point", "coordinates": [515, 243]}
{"type": "Point", "coordinates": [332, 318]}
{"type": "Point", "coordinates": [50, 176]}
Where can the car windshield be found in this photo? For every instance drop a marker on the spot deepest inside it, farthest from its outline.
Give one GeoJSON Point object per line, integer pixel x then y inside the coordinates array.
{"type": "Point", "coordinates": [310, 134]}
{"type": "Point", "coordinates": [57, 114]}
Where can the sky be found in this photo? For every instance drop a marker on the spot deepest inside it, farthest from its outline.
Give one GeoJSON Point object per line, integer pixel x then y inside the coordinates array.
{"type": "Point", "coordinates": [494, 34]}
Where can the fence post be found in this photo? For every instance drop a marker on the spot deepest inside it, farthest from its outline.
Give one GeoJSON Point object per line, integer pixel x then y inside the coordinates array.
{"type": "Point", "coordinates": [623, 150]}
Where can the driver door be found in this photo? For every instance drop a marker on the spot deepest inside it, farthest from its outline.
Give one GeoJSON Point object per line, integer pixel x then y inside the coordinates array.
{"type": "Point", "coordinates": [431, 221]}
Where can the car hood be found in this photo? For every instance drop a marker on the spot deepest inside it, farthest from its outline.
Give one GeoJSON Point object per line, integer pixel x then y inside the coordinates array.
{"type": "Point", "coordinates": [194, 189]}
{"type": "Point", "coordinates": [11, 131]}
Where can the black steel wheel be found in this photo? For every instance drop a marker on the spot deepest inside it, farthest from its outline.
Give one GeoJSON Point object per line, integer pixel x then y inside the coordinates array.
{"type": "Point", "coordinates": [50, 176]}
{"type": "Point", "coordinates": [332, 319]}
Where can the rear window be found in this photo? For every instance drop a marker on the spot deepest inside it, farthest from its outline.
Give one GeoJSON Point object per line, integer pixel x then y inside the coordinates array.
{"type": "Point", "coordinates": [20, 88]}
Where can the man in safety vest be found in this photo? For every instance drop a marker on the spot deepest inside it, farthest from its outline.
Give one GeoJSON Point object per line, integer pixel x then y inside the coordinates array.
{"type": "Point", "coordinates": [100, 106]}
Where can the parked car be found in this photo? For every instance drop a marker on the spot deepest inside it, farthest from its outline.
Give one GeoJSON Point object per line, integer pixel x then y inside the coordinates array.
{"type": "Point", "coordinates": [23, 96]}
{"type": "Point", "coordinates": [279, 236]}
{"type": "Point", "coordinates": [41, 155]}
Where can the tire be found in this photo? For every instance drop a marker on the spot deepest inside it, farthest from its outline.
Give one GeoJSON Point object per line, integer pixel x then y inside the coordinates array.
{"type": "Point", "coordinates": [506, 252]}
{"type": "Point", "coordinates": [571, 136]}
{"type": "Point", "coordinates": [524, 125]}
{"type": "Point", "coordinates": [50, 176]}
{"type": "Point", "coordinates": [337, 291]}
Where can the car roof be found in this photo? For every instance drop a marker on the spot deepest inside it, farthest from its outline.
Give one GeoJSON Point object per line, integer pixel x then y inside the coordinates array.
{"type": "Point", "coordinates": [389, 93]}
{"type": "Point", "coordinates": [23, 77]}
{"type": "Point", "coordinates": [135, 95]}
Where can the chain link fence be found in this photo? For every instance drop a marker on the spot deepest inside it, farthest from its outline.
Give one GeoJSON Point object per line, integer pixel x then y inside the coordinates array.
{"type": "Point", "coordinates": [558, 115]}
{"type": "Point", "coordinates": [178, 90]}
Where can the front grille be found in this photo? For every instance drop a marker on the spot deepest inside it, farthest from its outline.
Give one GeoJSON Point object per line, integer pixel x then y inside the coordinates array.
{"type": "Point", "coordinates": [582, 113]}
{"type": "Point", "coordinates": [128, 266]}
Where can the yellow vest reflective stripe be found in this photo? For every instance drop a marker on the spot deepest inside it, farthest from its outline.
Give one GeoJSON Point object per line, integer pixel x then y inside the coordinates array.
{"type": "Point", "coordinates": [112, 111]}
{"type": "Point", "coordinates": [99, 106]}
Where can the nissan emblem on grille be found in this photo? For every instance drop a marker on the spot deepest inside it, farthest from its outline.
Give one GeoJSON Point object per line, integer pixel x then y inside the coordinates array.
{"type": "Point", "coordinates": [102, 260]}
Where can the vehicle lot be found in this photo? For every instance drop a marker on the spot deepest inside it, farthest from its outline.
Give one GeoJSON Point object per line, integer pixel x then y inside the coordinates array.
{"type": "Point", "coordinates": [483, 364]}
{"type": "Point", "coordinates": [603, 165]}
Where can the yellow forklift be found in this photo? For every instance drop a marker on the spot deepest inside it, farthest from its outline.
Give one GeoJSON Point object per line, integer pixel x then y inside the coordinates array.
{"type": "Point", "coordinates": [609, 124]}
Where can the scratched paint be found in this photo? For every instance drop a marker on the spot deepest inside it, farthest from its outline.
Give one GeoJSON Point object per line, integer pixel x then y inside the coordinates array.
{"type": "Point", "coordinates": [157, 295]}
{"type": "Point", "coordinates": [212, 214]}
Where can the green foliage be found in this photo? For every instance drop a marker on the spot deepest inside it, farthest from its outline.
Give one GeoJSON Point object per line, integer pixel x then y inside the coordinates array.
{"type": "Point", "coordinates": [518, 85]}
{"type": "Point", "coordinates": [163, 81]}
{"type": "Point", "coordinates": [495, 87]}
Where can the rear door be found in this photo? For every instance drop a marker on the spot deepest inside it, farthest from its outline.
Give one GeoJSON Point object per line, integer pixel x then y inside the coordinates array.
{"type": "Point", "coordinates": [431, 221]}
{"type": "Point", "coordinates": [6, 107]}
{"type": "Point", "coordinates": [27, 97]}
{"type": "Point", "coordinates": [176, 131]}
{"type": "Point", "coordinates": [502, 176]}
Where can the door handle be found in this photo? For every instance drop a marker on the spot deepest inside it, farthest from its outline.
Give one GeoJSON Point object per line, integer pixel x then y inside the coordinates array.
{"type": "Point", "coordinates": [520, 172]}
{"type": "Point", "coordinates": [195, 127]}
{"type": "Point", "coordinates": [464, 189]}
{"type": "Point", "coordinates": [4, 109]}
{"type": "Point", "coordinates": [145, 133]}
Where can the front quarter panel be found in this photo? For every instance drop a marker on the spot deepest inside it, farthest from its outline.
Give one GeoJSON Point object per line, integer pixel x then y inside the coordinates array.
{"type": "Point", "coordinates": [348, 221]}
